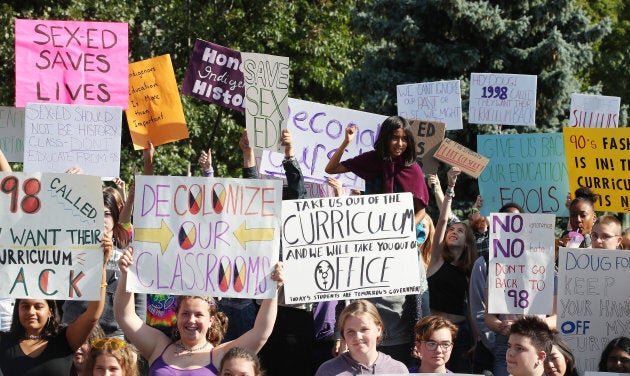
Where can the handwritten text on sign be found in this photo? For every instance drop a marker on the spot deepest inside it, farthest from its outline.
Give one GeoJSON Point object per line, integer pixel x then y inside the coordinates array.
{"type": "Point", "coordinates": [49, 236]}
{"type": "Point", "coordinates": [428, 136]}
{"type": "Point", "coordinates": [349, 247]}
{"type": "Point", "coordinates": [267, 93]}
{"type": "Point", "coordinates": [594, 111]}
{"type": "Point", "coordinates": [507, 99]}
{"type": "Point", "coordinates": [12, 133]}
{"type": "Point", "coordinates": [317, 131]}
{"type": "Point", "coordinates": [215, 74]}
{"type": "Point", "coordinates": [200, 236]}
{"type": "Point", "coordinates": [71, 62]}
{"type": "Point", "coordinates": [593, 301]}
{"type": "Point", "coordinates": [599, 159]}
{"type": "Point", "coordinates": [460, 156]}
{"type": "Point", "coordinates": [528, 169]}
{"type": "Point", "coordinates": [521, 269]}
{"type": "Point", "coordinates": [438, 101]}
{"type": "Point", "coordinates": [60, 136]}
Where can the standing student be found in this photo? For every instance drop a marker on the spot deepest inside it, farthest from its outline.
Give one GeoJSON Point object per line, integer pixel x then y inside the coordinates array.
{"type": "Point", "coordinates": [561, 361]}
{"type": "Point", "coordinates": [582, 216]}
{"type": "Point", "coordinates": [529, 344]}
{"type": "Point", "coordinates": [434, 342]}
{"type": "Point", "coordinates": [606, 233]}
{"type": "Point", "coordinates": [111, 357]}
{"type": "Point", "coordinates": [240, 362]}
{"type": "Point", "coordinates": [616, 356]}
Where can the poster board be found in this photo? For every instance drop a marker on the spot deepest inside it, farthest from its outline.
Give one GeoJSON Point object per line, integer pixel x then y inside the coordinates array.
{"type": "Point", "coordinates": [439, 101]}
{"type": "Point", "coordinates": [528, 169]}
{"type": "Point", "coordinates": [593, 301]}
{"type": "Point", "coordinates": [457, 155]}
{"type": "Point", "coordinates": [12, 133]}
{"type": "Point", "coordinates": [349, 247]}
{"type": "Point", "coordinates": [215, 75]}
{"type": "Point", "coordinates": [60, 136]}
{"type": "Point", "coordinates": [155, 109]}
{"type": "Point", "coordinates": [521, 263]}
{"type": "Point", "coordinates": [206, 236]}
{"type": "Point", "coordinates": [594, 111]}
{"type": "Point", "coordinates": [598, 158]}
{"type": "Point", "coordinates": [428, 136]}
{"type": "Point", "coordinates": [49, 236]}
{"type": "Point", "coordinates": [80, 62]}
{"type": "Point", "coordinates": [266, 104]}
{"type": "Point", "coordinates": [505, 99]}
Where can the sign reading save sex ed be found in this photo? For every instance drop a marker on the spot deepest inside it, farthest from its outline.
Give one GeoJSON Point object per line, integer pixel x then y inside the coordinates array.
{"type": "Point", "coordinates": [72, 62]}
{"type": "Point", "coordinates": [208, 237]}
{"type": "Point", "coordinates": [521, 267]}
{"type": "Point", "coordinates": [49, 236]}
{"type": "Point", "coordinates": [349, 247]}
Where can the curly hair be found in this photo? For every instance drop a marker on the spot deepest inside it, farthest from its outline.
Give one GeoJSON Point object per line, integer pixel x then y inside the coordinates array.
{"type": "Point", "coordinates": [219, 325]}
{"type": "Point", "coordinates": [125, 355]}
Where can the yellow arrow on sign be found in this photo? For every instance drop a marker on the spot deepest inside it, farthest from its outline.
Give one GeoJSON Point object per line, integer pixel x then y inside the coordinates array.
{"type": "Point", "coordinates": [243, 234]}
{"type": "Point", "coordinates": [162, 235]}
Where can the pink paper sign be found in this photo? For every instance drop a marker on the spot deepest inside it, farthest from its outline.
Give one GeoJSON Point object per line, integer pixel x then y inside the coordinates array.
{"type": "Point", "coordinates": [71, 62]}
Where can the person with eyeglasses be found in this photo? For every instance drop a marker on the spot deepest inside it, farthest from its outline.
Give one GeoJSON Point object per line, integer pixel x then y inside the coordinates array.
{"type": "Point", "coordinates": [606, 233]}
{"type": "Point", "coordinates": [111, 357]}
{"type": "Point", "coordinates": [434, 343]}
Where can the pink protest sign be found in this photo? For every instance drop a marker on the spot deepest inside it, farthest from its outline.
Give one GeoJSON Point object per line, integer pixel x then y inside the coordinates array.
{"type": "Point", "coordinates": [71, 62]}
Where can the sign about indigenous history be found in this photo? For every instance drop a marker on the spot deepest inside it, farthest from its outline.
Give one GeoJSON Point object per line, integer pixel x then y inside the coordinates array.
{"type": "Point", "coordinates": [439, 101]}
{"type": "Point", "coordinates": [504, 99]}
{"type": "Point", "coordinates": [349, 247]}
{"type": "Point", "coordinates": [427, 135]}
{"type": "Point", "coordinates": [206, 236]}
{"type": "Point", "coordinates": [599, 159]}
{"type": "Point", "coordinates": [12, 133]}
{"type": "Point", "coordinates": [460, 156]}
{"type": "Point", "coordinates": [77, 62]}
{"type": "Point", "coordinates": [49, 236]}
{"type": "Point", "coordinates": [155, 109]}
{"type": "Point", "coordinates": [528, 169]}
{"type": "Point", "coordinates": [60, 136]}
{"type": "Point", "coordinates": [267, 94]}
{"type": "Point", "coordinates": [594, 111]}
{"type": "Point", "coordinates": [215, 75]}
{"type": "Point", "coordinates": [593, 301]}
{"type": "Point", "coordinates": [521, 266]}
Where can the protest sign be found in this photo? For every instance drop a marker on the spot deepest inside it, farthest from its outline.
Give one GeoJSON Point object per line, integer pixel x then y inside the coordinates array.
{"type": "Point", "coordinates": [49, 236]}
{"type": "Point", "coordinates": [12, 133]}
{"type": "Point", "coordinates": [460, 156]}
{"type": "Point", "coordinates": [427, 135]}
{"type": "Point", "coordinates": [349, 247]}
{"type": "Point", "coordinates": [155, 109]}
{"type": "Point", "coordinates": [267, 93]}
{"type": "Point", "coordinates": [593, 301]}
{"type": "Point", "coordinates": [206, 236]}
{"type": "Point", "coordinates": [521, 266]}
{"type": "Point", "coordinates": [594, 111]}
{"type": "Point", "coordinates": [598, 159]}
{"type": "Point", "coordinates": [215, 75]}
{"type": "Point", "coordinates": [317, 131]}
{"type": "Point", "coordinates": [60, 136]}
{"type": "Point", "coordinates": [527, 169]}
{"type": "Point", "coordinates": [505, 99]}
{"type": "Point", "coordinates": [439, 101]}
{"type": "Point", "coordinates": [77, 62]}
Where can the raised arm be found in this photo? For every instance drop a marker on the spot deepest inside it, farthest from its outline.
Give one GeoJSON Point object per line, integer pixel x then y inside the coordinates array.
{"type": "Point", "coordinates": [249, 160]}
{"type": "Point", "coordinates": [205, 162]}
{"type": "Point", "coordinates": [334, 165]}
{"type": "Point", "coordinates": [292, 170]}
{"type": "Point", "coordinates": [79, 330]}
{"type": "Point", "coordinates": [4, 164]}
{"type": "Point", "coordinates": [147, 155]}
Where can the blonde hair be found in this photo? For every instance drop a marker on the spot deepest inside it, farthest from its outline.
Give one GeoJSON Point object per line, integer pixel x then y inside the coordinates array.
{"type": "Point", "coordinates": [360, 307]}
{"type": "Point", "coordinates": [125, 355]}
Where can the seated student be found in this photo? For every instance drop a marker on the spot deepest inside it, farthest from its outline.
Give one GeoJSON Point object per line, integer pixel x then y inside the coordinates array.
{"type": "Point", "coordinates": [616, 356]}
{"type": "Point", "coordinates": [606, 233]}
{"type": "Point", "coordinates": [240, 362]}
{"type": "Point", "coordinates": [361, 328]}
{"type": "Point", "coordinates": [434, 343]}
{"type": "Point", "coordinates": [529, 343]}
{"type": "Point", "coordinates": [112, 356]}
{"type": "Point", "coordinates": [561, 361]}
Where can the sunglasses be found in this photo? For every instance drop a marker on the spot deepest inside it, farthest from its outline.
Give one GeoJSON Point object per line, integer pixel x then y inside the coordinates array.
{"type": "Point", "coordinates": [112, 343]}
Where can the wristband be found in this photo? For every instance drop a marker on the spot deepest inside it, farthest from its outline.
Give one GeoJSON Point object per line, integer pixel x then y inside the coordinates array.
{"type": "Point", "coordinates": [474, 210]}
{"type": "Point", "coordinates": [449, 192]}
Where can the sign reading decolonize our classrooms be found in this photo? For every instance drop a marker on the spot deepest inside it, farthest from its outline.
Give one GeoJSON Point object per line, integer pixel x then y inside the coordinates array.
{"type": "Point", "coordinates": [205, 236]}
{"type": "Point", "coordinates": [350, 247]}
{"type": "Point", "coordinates": [71, 62]}
{"type": "Point", "coordinates": [49, 236]}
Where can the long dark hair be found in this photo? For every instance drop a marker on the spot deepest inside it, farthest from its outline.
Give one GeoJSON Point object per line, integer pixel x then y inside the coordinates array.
{"type": "Point", "coordinates": [52, 325]}
{"type": "Point", "coordinates": [567, 353]}
{"type": "Point", "coordinates": [120, 236]}
{"type": "Point", "coordinates": [622, 343]}
{"type": "Point", "coordinates": [381, 146]}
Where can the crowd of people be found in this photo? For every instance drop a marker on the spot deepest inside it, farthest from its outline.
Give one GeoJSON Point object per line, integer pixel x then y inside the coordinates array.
{"type": "Point", "coordinates": [445, 329]}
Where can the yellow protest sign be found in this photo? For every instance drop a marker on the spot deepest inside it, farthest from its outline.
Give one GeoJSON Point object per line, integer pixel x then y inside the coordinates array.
{"type": "Point", "coordinates": [155, 109]}
{"type": "Point", "coordinates": [599, 159]}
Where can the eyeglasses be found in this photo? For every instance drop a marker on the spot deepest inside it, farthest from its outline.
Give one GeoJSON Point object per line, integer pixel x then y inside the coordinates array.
{"type": "Point", "coordinates": [112, 343]}
{"type": "Point", "coordinates": [603, 237]}
{"type": "Point", "coordinates": [432, 345]}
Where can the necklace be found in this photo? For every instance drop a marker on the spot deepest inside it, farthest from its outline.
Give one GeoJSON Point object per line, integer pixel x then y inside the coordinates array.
{"type": "Point", "coordinates": [181, 348]}
{"type": "Point", "coordinates": [39, 336]}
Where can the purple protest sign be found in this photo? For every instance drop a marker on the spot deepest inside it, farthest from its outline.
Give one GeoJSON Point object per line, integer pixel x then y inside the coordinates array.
{"type": "Point", "coordinates": [215, 74]}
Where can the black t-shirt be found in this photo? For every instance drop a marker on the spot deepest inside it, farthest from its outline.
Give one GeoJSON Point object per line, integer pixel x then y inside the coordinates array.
{"type": "Point", "coordinates": [56, 359]}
